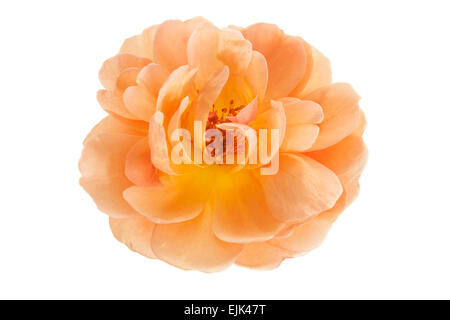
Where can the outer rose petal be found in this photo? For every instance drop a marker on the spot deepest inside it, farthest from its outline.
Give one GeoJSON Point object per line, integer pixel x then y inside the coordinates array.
{"type": "Point", "coordinates": [112, 68]}
{"type": "Point", "coordinates": [135, 232]}
{"type": "Point", "coordinates": [341, 113]}
{"type": "Point", "coordinates": [193, 245]}
{"type": "Point", "coordinates": [141, 45]}
{"type": "Point", "coordinates": [262, 255]}
{"type": "Point", "coordinates": [241, 214]}
{"type": "Point", "coordinates": [102, 167]}
{"type": "Point", "coordinates": [307, 236]}
{"type": "Point", "coordinates": [180, 198]}
{"type": "Point", "coordinates": [310, 234]}
{"type": "Point", "coordinates": [317, 75]}
{"type": "Point", "coordinates": [112, 103]}
{"type": "Point", "coordinates": [285, 55]}
{"type": "Point", "coordinates": [301, 189]}
{"type": "Point", "coordinates": [170, 42]}
{"type": "Point", "coordinates": [139, 168]}
{"type": "Point", "coordinates": [112, 124]}
{"type": "Point", "coordinates": [362, 123]}
{"type": "Point", "coordinates": [347, 159]}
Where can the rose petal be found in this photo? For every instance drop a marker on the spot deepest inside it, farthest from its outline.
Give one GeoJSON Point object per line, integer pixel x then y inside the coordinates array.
{"type": "Point", "coordinates": [126, 79]}
{"type": "Point", "coordinates": [158, 144]}
{"type": "Point", "coordinates": [113, 103]}
{"type": "Point", "coordinates": [180, 198]}
{"type": "Point", "coordinates": [141, 45]}
{"type": "Point", "coordinates": [112, 124]}
{"type": "Point", "coordinates": [171, 39]}
{"type": "Point", "coordinates": [257, 75]}
{"type": "Point", "coordinates": [139, 168]}
{"type": "Point", "coordinates": [152, 77]}
{"type": "Point", "coordinates": [317, 74]}
{"type": "Point", "coordinates": [138, 102]}
{"type": "Point", "coordinates": [285, 55]}
{"type": "Point", "coordinates": [193, 245]}
{"type": "Point", "coordinates": [301, 189]}
{"type": "Point", "coordinates": [112, 68]}
{"type": "Point", "coordinates": [234, 51]}
{"type": "Point", "coordinates": [246, 115]}
{"type": "Point", "coordinates": [241, 214]}
{"type": "Point", "coordinates": [262, 256]}
{"type": "Point", "coordinates": [202, 51]}
{"type": "Point", "coordinates": [135, 232]}
{"type": "Point", "coordinates": [341, 113]}
{"type": "Point", "coordinates": [272, 119]}
{"type": "Point", "coordinates": [301, 111]}
{"type": "Point", "coordinates": [102, 166]}
{"type": "Point", "coordinates": [179, 85]}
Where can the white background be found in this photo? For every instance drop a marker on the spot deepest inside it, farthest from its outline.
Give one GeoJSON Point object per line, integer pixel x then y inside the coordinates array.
{"type": "Point", "coordinates": [392, 243]}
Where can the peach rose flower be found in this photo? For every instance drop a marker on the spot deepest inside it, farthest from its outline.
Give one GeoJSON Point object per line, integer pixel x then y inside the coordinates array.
{"type": "Point", "coordinates": [208, 216]}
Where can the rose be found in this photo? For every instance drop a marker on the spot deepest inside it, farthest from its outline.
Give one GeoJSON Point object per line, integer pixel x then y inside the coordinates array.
{"type": "Point", "coordinates": [206, 216]}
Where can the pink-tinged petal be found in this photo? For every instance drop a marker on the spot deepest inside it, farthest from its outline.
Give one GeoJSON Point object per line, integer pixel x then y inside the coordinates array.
{"type": "Point", "coordinates": [179, 85]}
{"type": "Point", "coordinates": [262, 256]}
{"type": "Point", "coordinates": [180, 198]}
{"type": "Point", "coordinates": [141, 45]}
{"type": "Point", "coordinates": [135, 232]}
{"type": "Point", "coordinates": [139, 168]}
{"type": "Point", "coordinates": [112, 124]}
{"type": "Point", "coordinates": [301, 189]}
{"type": "Point", "coordinates": [317, 75]}
{"type": "Point", "coordinates": [193, 245]}
{"type": "Point", "coordinates": [341, 113]}
{"type": "Point", "coordinates": [152, 77]}
{"type": "Point", "coordinates": [234, 51]}
{"type": "Point", "coordinates": [202, 51]}
{"type": "Point", "coordinates": [257, 74]}
{"type": "Point", "coordinates": [158, 144]}
{"type": "Point", "coordinates": [113, 103]}
{"type": "Point", "coordinates": [102, 166]}
{"type": "Point", "coordinates": [112, 68]}
{"type": "Point", "coordinates": [285, 55]}
{"type": "Point", "coordinates": [246, 115]}
{"type": "Point", "coordinates": [246, 138]}
{"type": "Point", "coordinates": [139, 102]}
{"type": "Point", "coordinates": [241, 214]}
{"type": "Point", "coordinates": [301, 111]}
